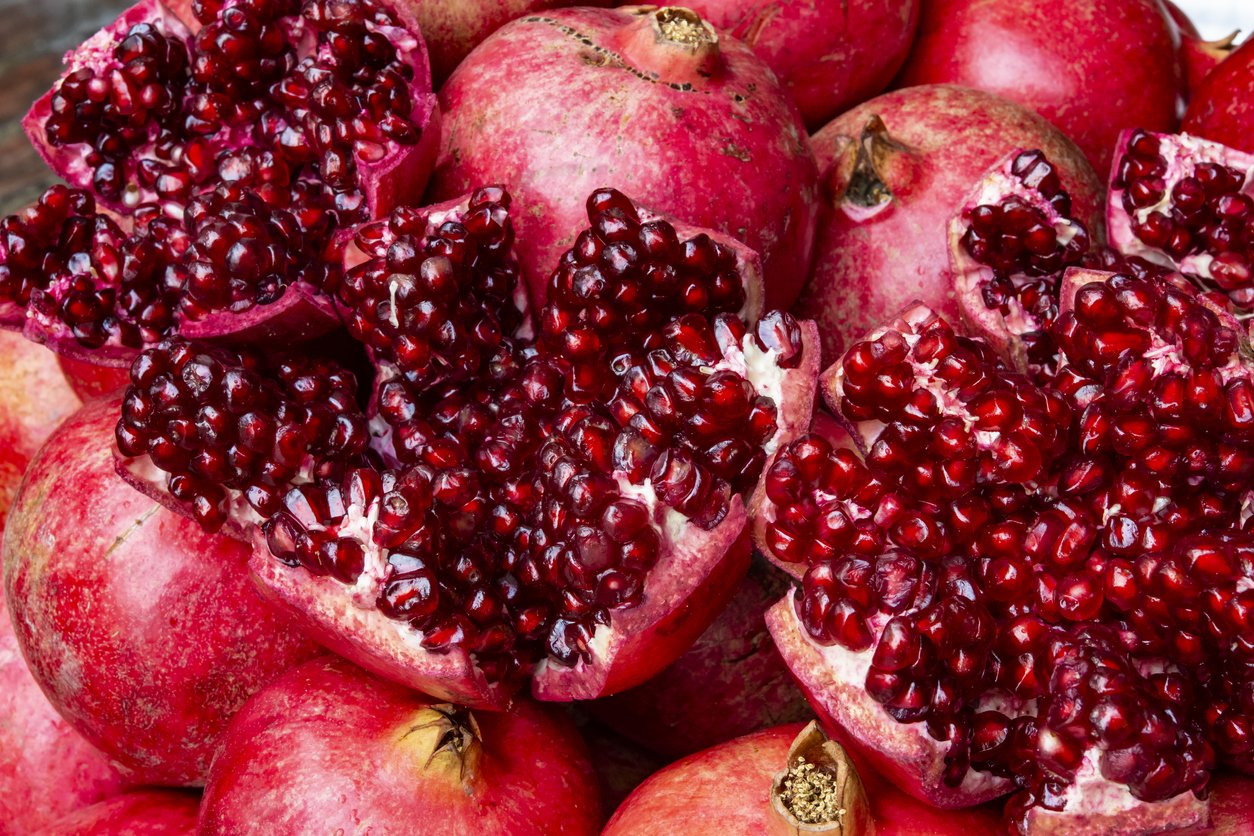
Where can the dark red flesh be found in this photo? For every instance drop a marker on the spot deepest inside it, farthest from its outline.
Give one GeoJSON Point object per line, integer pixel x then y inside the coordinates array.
{"type": "Point", "coordinates": [502, 465]}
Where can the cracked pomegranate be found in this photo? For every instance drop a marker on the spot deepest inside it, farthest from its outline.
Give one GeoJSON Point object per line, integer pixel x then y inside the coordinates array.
{"type": "Point", "coordinates": [1091, 67]}
{"type": "Point", "coordinates": [99, 578]}
{"type": "Point", "coordinates": [210, 163]}
{"type": "Point", "coordinates": [328, 731]}
{"type": "Point", "coordinates": [1186, 204]}
{"type": "Point", "coordinates": [648, 100]}
{"type": "Point", "coordinates": [786, 779]}
{"type": "Point", "coordinates": [897, 169]}
{"type": "Point", "coordinates": [563, 499]}
{"type": "Point", "coordinates": [1045, 587]}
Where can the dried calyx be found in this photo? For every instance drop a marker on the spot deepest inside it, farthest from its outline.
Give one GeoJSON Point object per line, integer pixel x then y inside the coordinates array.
{"type": "Point", "coordinates": [516, 497]}
{"type": "Point", "coordinates": [820, 791]}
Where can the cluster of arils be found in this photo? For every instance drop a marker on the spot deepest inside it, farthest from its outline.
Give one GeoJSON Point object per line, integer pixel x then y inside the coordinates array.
{"type": "Point", "coordinates": [212, 170]}
{"type": "Point", "coordinates": [1048, 567]}
{"type": "Point", "coordinates": [519, 490]}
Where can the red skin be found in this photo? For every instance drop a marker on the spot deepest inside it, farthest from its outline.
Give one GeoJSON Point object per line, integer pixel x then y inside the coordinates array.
{"type": "Point", "coordinates": [830, 54]}
{"type": "Point", "coordinates": [868, 269]}
{"type": "Point", "coordinates": [530, 110]}
{"type": "Point", "coordinates": [452, 28]}
{"type": "Point", "coordinates": [328, 731]}
{"type": "Point", "coordinates": [1223, 107]}
{"type": "Point", "coordinates": [1092, 67]}
{"type": "Point", "coordinates": [34, 398]}
{"type": "Point", "coordinates": [92, 380]}
{"type": "Point", "coordinates": [140, 813]}
{"type": "Point", "coordinates": [732, 681]}
{"type": "Point", "coordinates": [1199, 56]}
{"type": "Point", "coordinates": [1231, 805]}
{"type": "Point", "coordinates": [46, 768]}
{"type": "Point", "coordinates": [727, 789]}
{"type": "Point", "coordinates": [143, 629]}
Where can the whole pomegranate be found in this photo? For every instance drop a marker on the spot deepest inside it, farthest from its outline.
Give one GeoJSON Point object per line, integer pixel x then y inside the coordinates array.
{"type": "Point", "coordinates": [141, 628]}
{"type": "Point", "coordinates": [34, 398]}
{"type": "Point", "coordinates": [647, 100]}
{"type": "Point", "coordinates": [46, 768]}
{"type": "Point", "coordinates": [560, 499]}
{"type": "Point", "coordinates": [328, 747]}
{"type": "Point", "coordinates": [452, 28]}
{"type": "Point", "coordinates": [1091, 67]}
{"type": "Point", "coordinates": [897, 168]}
{"type": "Point", "coordinates": [786, 779]}
{"type": "Point", "coordinates": [829, 54]}
{"type": "Point", "coordinates": [1220, 107]}
{"type": "Point", "coordinates": [732, 681]}
{"type": "Point", "coordinates": [138, 813]}
{"type": "Point", "coordinates": [1187, 204]}
{"type": "Point", "coordinates": [1199, 55]}
{"type": "Point", "coordinates": [211, 162]}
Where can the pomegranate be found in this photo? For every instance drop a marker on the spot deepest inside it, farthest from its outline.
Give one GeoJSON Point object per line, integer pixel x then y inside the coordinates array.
{"type": "Point", "coordinates": [34, 398]}
{"type": "Point", "coordinates": [1186, 204]}
{"type": "Point", "coordinates": [732, 681]}
{"type": "Point", "coordinates": [139, 813]}
{"type": "Point", "coordinates": [327, 732]}
{"type": "Point", "coordinates": [92, 379]}
{"type": "Point", "coordinates": [647, 100]}
{"type": "Point", "coordinates": [1092, 67]}
{"type": "Point", "coordinates": [141, 628]}
{"type": "Point", "coordinates": [897, 169]}
{"type": "Point", "coordinates": [1231, 805]}
{"type": "Point", "coordinates": [209, 172]}
{"type": "Point", "coordinates": [1220, 108]}
{"type": "Point", "coordinates": [1199, 55]}
{"type": "Point", "coordinates": [452, 28]}
{"type": "Point", "coordinates": [46, 768]}
{"type": "Point", "coordinates": [1046, 585]}
{"type": "Point", "coordinates": [829, 55]}
{"type": "Point", "coordinates": [786, 779]}
{"type": "Point", "coordinates": [563, 499]}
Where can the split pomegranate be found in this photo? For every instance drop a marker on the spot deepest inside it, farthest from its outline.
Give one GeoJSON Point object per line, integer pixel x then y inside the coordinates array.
{"type": "Point", "coordinates": [731, 682]}
{"type": "Point", "coordinates": [1091, 67]}
{"type": "Point", "coordinates": [1187, 204]}
{"type": "Point", "coordinates": [563, 499]}
{"type": "Point", "coordinates": [327, 747]}
{"type": "Point", "coordinates": [647, 100]}
{"type": "Point", "coordinates": [786, 779]}
{"type": "Point", "coordinates": [1220, 108]}
{"type": "Point", "coordinates": [829, 55]}
{"type": "Point", "coordinates": [1232, 805]}
{"type": "Point", "coordinates": [209, 172]}
{"type": "Point", "coordinates": [139, 813]}
{"type": "Point", "coordinates": [142, 629]}
{"type": "Point", "coordinates": [34, 399]}
{"type": "Point", "coordinates": [1045, 587]}
{"type": "Point", "coordinates": [897, 170]}
{"type": "Point", "coordinates": [46, 768]}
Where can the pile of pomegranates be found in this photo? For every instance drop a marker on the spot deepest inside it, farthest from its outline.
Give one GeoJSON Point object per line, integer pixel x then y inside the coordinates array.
{"type": "Point", "coordinates": [529, 418]}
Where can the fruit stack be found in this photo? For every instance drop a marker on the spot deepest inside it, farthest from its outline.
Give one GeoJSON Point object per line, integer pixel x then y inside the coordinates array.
{"type": "Point", "coordinates": [429, 416]}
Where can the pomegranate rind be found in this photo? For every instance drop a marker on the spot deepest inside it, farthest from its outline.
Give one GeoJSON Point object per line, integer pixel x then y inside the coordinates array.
{"type": "Point", "coordinates": [1097, 805]}
{"type": "Point", "coordinates": [832, 679]}
{"type": "Point", "coordinates": [1180, 152]}
{"type": "Point", "coordinates": [687, 588]}
{"type": "Point", "coordinates": [391, 649]}
{"type": "Point", "coordinates": [302, 313]}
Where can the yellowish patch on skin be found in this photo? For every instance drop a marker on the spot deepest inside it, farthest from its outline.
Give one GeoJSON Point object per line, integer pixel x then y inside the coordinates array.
{"type": "Point", "coordinates": [444, 739]}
